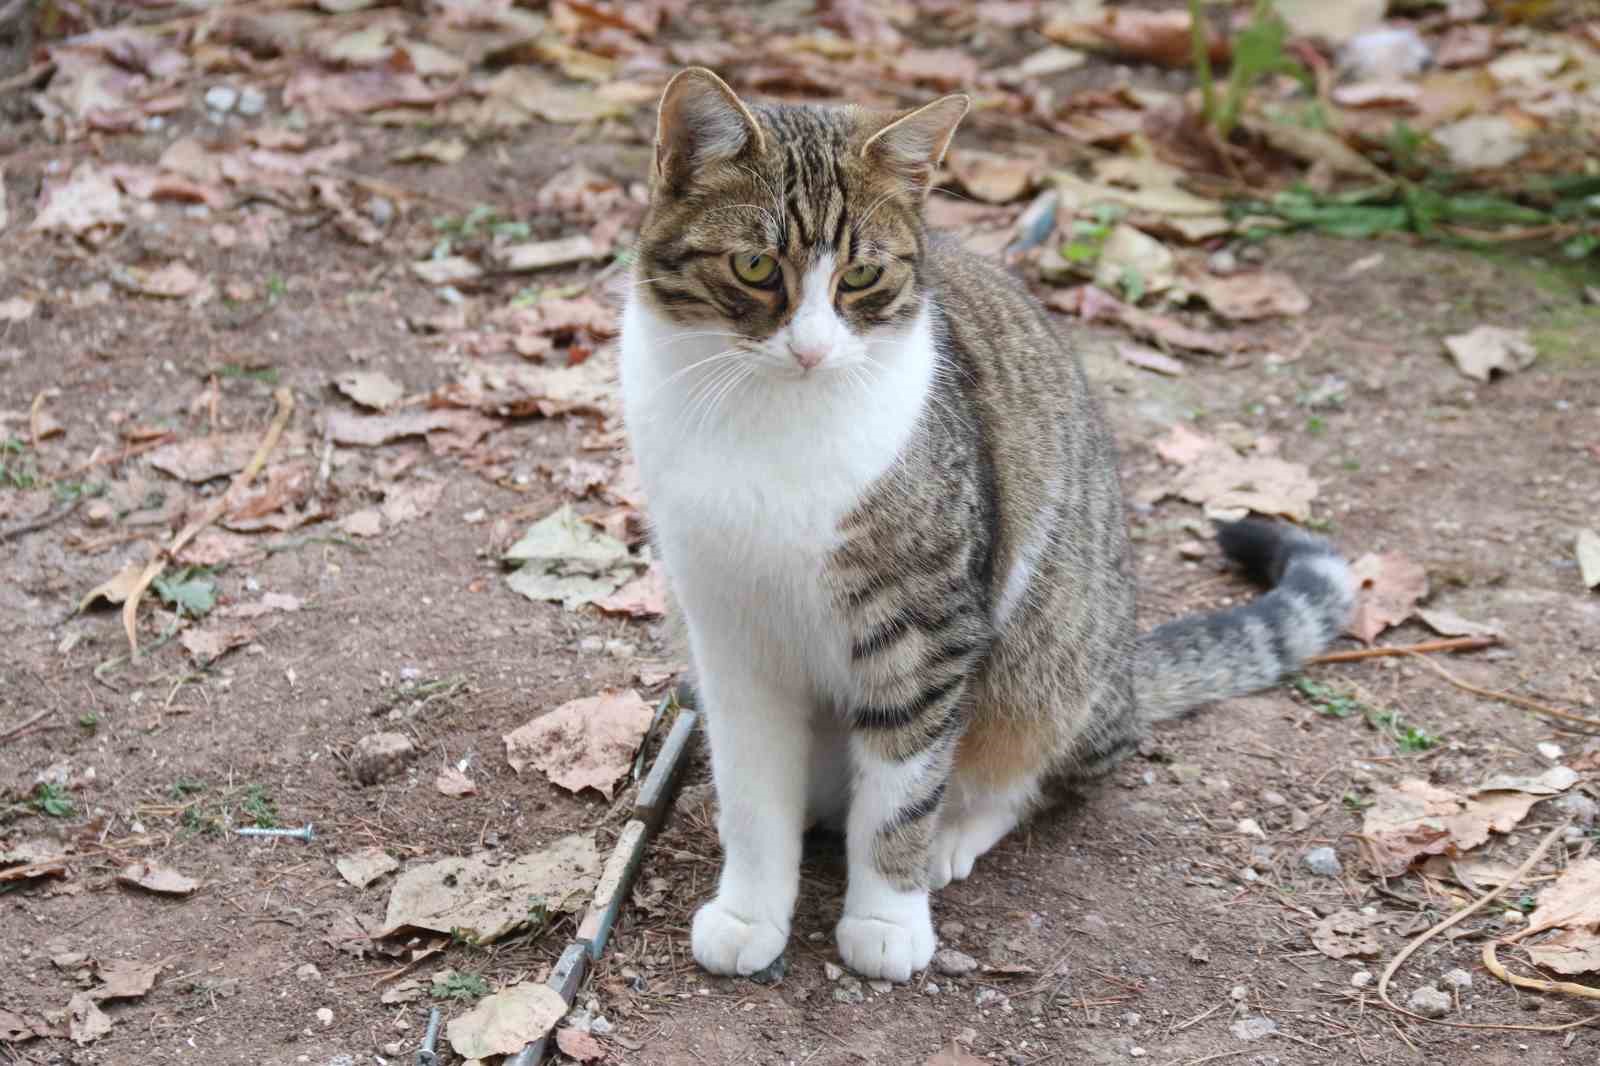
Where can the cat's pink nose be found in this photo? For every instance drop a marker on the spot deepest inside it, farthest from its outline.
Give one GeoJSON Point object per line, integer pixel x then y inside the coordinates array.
{"type": "Point", "coordinates": [808, 356]}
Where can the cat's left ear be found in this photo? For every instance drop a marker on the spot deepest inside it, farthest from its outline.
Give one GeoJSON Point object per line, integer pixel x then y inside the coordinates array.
{"type": "Point", "coordinates": [700, 121]}
{"type": "Point", "coordinates": [913, 144]}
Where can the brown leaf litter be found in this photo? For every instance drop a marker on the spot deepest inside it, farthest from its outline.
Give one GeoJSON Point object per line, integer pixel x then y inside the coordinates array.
{"type": "Point", "coordinates": [1229, 485]}
{"type": "Point", "coordinates": [585, 743]}
{"type": "Point", "coordinates": [1390, 586]}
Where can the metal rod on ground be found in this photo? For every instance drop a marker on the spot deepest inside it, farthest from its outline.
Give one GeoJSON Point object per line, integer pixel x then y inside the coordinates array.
{"type": "Point", "coordinates": [428, 1055]}
{"type": "Point", "coordinates": [305, 832]}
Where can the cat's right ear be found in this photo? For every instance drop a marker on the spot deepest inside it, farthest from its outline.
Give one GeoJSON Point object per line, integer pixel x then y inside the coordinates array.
{"type": "Point", "coordinates": [700, 121]}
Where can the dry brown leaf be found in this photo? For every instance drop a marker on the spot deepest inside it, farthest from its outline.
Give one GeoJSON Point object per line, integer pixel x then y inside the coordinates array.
{"type": "Point", "coordinates": [403, 503]}
{"type": "Point", "coordinates": [991, 177]}
{"type": "Point", "coordinates": [171, 282]}
{"type": "Point", "coordinates": [452, 782]}
{"type": "Point", "coordinates": [86, 1022]}
{"type": "Point", "coordinates": [370, 388]}
{"type": "Point", "coordinates": [587, 743]}
{"type": "Point", "coordinates": [506, 1022]}
{"type": "Point", "coordinates": [269, 602]}
{"type": "Point", "coordinates": [124, 978]}
{"type": "Point", "coordinates": [579, 1045]}
{"type": "Point", "coordinates": [439, 150]}
{"type": "Point", "coordinates": [485, 897]}
{"type": "Point", "coordinates": [1347, 933]}
{"type": "Point", "coordinates": [1450, 624]}
{"type": "Point", "coordinates": [203, 458]}
{"type": "Point", "coordinates": [86, 200]}
{"type": "Point", "coordinates": [1571, 951]}
{"type": "Point", "coordinates": [362, 867]}
{"type": "Point", "coordinates": [954, 1055]}
{"type": "Point", "coordinates": [117, 589]}
{"type": "Point", "coordinates": [542, 255]}
{"type": "Point", "coordinates": [1414, 819]}
{"type": "Point", "coordinates": [372, 430]}
{"type": "Point", "coordinates": [1182, 445]}
{"type": "Point", "coordinates": [1161, 37]}
{"type": "Point", "coordinates": [940, 68]}
{"type": "Point", "coordinates": [1251, 296]}
{"type": "Point", "coordinates": [213, 642]}
{"type": "Point", "coordinates": [1390, 586]}
{"type": "Point", "coordinates": [153, 877]}
{"type": "Point", "coordinates": [1228, 484]}
{"type": "Point", "coordinates": [1481, 351]}
{"type": "Point", "coordinates": [1092, 303]}
{"type": "Point", "coordinates": [643, 597]}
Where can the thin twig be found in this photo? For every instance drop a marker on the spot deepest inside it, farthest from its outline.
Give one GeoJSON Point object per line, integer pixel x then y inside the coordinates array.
{"type": "Point", "coordinates": [1565, 987]}
{"type": "Point", "coordinates": [1472, 908]}
{"type": "Point", "coordinates": [40, 523]}
{"type": "Point", "coordinates": [1424, 648]}
{"type": "Point", "coordinates": [1510, 697]}
{"type": "Point", "coordinates": [27, 77]}
{"type": "Point", "coordinates": [12, 734]}
{"type": "Point", "coordinates": [130, 607]}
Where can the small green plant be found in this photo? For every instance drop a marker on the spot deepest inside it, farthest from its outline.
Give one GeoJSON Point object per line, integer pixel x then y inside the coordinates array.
{"type": "Point", "coordinates": [183, 788]}
{"type": "Point", "coordinates": [52, 799]}
{"type": "Point", "coordinates": [197, 820]}
{"type": "Point", "coordinates": [1257, 54]}
{"type": "Point", "coordinates": [277, 289]}
{"type": "Point", "coordinates": [1526, 903]}
{"type": "Point", "coordinates": [459, 987]}
{"type": "Point", "coordinates": [259, 807]}
{"type": "Point", "coordinates": [1328, 700]}
{"type": "Point", "coordinates": [1354, 802]}
{"type": "Point", "coordinates": [190, 591]}
{"type": "Point", "coordinates": [69, 491]}
{"type": "Point", "coordinates": [88, 721]}
{"type": "Point", "coordinates": [17, 471]}
{"type": "Point", "coordinates": [267, 375]}
{"type": "Point", "coordinates": [1316, 425]}
{"type": "Point", "coordinates": [1407, 738]}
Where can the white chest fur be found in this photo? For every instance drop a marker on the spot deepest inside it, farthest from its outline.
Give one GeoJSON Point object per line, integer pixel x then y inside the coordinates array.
{"type": "Point", "coordinates": [745, 495]}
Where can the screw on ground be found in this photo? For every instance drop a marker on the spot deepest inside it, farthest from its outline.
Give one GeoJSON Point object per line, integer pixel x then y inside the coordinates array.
{"type": "Point", "coordinates": [427, 1055]}
{"type": "Point", "coordinates": [305, 832]}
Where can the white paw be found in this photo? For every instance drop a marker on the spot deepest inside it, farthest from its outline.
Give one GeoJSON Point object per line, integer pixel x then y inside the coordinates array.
{"type": "Point", "coordinates": [729, 943]}
{"type": "Point", "coordinates": [951, 857]}
{"type": "Point", "coordinates": [885, 948]}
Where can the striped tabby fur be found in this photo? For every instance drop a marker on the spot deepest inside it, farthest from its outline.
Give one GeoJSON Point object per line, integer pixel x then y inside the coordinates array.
{"type": "Point", "coordinates": [891, 518]}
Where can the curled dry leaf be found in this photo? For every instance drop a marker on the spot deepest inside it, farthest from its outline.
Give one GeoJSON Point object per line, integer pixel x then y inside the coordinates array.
{"type": "Point", "coordinates": [643, 597]}
{"type": "Point", "coordinates": [1347, 933]}
{"type": "Point", "coordinates": [506, 1022]}
{"type": "Point", "coordinates": [211, 643]}
{"type": "Point", "coordinates": [587, 743]}
{"type": "Point", "coordinates": [1450, 624]}
{"type": "Point", "coordinates": [1390, 586]}
{"type": "Point", "coordinates": [124, 978]}
{"type": "Point", "coordinates": [86, 200]}
{"type": "Point", "coordinates": [153, 877]}
{"type": "Point", "coordinates": [117, 589]}
{"type": "Point", "coordinates": [203, 458]}
{"type": "Point", "coordinates": [566, 559]}
{"type": "Point", "coordinates": [1149, 359]}
{"type": "Point", "coordinates": [1481, 351]}
{"type": "Point", "coordinates": [1228, 484]}
{"type": "Point", "coordinates": [1092, 303]}
{"type": "Point", "coordinates": [86, 1022]}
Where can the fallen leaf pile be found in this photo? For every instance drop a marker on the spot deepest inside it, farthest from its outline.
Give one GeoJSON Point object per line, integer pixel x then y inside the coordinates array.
{"type": "Point", "coordinates": [1229, 485]}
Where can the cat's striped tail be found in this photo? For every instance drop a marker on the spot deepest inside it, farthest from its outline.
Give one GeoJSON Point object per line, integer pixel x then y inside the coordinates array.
{"type": "Point", "coordinates": [1206, 657]}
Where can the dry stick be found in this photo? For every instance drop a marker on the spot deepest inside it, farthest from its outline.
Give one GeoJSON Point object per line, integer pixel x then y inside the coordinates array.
{"type": "Point", "coordinates": [130, 608]}
{"type": "Point", "coordinates": [1509, 697]}
{"type": "Point", "coordinates": [1453, 644]}
{"type": "Point", "coordinates": [12, 734]}
{"type": "Point", "coordinates": [1472, 908]}
{"type": "Point", "coordinates": [1568, 987]}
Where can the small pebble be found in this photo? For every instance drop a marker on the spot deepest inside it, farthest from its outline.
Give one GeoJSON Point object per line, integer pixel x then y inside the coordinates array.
{"type": "Point", "coordinates": [381, 210]}
{"type": "Point", "coordinates": [930, 989]}
{"type": "Point", "coordinates": [1274, 799]}
{"type": "Point", "coordinates": [1512, 917]}
{"type": "Point", "coordinates": [221, 98]}
{"type": "Point", "coordinates": [324, 1016]}
{"type": "Point", "coordinates": [1137, 1052]}
{"type": "Point", "coordinates": [882, 988]}
{"type": "Point", "coordinates": [848, 990]}
{"type": "Point", "coordinates": [1361, 978]}
{"type": "Point", "coordinates": [1251, 828]}
{"type": "Point", "coordinates": [1324, 862]}
{"type": "Point", "coordinates": [1239, 993]}
{"type": "Point", "coordinates": [1581, 808]}
{"type": "Point", "coordinates": [1253, 1028]}
{"type": "Point", "coordinates": [308, 972]}
{"type": "Point", "coordinates": [1458, 979]}
{"type": "Point", "coordinates": [833, 971]}
{"type": "Point", "coordinates": [1094, 925]}
{"type": "Point", "coordinates": [953, 963]}
{"type": "Point", "coordinates": [1131, 1018]}
{"type": "Point", "coordinates": [1430, 1002]}
{"type": "Point", "coordinates": [252, 101]}
{"type": "Point", "coordinates": [951, 930]}
{"type": "Point", "coordinates": [990, 997]}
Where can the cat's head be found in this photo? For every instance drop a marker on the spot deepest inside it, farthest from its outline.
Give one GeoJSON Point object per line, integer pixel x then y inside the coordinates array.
{"type": "Point", "coordinates": [797, 230]}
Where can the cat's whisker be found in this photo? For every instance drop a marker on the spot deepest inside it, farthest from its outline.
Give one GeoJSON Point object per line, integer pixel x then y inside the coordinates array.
{"type": "Point", "coordinates": [703, 398]}
{"type": "Point", "coordinates": [722, 356]}
{"type": "Point", "coordinates": [741, 372]}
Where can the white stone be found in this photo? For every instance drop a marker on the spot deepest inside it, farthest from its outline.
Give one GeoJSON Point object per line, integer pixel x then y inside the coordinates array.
{"type": "Point", "coordinates": [324, 1016]}
{"type": "Point", "coordinates": [1458, 979]}
{"type": "Point", "coordinates": [1430, 1002]}
{"type": "Point", "coordinates": [1361, 978]}
{"type": "Point", "coordinates": [252, 101]}
{"type": "Point", "coordinates": [221, 98]}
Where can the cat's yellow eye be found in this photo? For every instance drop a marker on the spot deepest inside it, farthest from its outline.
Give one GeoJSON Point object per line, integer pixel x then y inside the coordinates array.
{"type": "Point", "coordinates": [760, 270]}
{"type": "Point", "coordinates": [861, 276]}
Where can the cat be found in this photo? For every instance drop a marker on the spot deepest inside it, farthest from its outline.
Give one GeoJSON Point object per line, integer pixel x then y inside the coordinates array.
{"type": "Point", "coordinates": [888, 509]}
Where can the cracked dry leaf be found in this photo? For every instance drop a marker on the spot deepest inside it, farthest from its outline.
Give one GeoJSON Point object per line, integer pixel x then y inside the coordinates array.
{"type": "Point", "coordinates": [1481, 351]}
{"type": "Point", "coordinates": [1571, 906]}
{"type": "Point", "coordinates": [117, 589]}
{"type": "Point", "coordinates": [1414, 819]}
{"type": "Point", "coordinates": [586, 743]}
{"type": "Point", "coordinates": [484, 897]}
{"type": "Point", "coordinates": [1389, 587]}
{"type": "Point", "coordinates": [87, 199]}
{"type": "Point", "coordinates": [1450, 624]}
{"type": "Point", "coordinates": [565, 559]}
{"type": "Point", "coordinates": [579, 1046]}
{"type": "Point", "coordinates": [452, 782]}
{"type": "Point", "coordinates": [213, 642]}
{"type": "Point", "coordinates": [153, 877]}
{"type": "Point", "coordinates": [1265, 294]}
{"type": "Point", "coordinates": [124, 978]}
{"type": "Point", "coordinates": [1344, 934]}
{"type": "Point", "coordinates": [365, 865]}
{"type": "Point", "coordinates": [643, 597]}
{"type": "Point", "coordinates": [506, 1022]}
{"type": "Point", "coordinates": [86, 1022]}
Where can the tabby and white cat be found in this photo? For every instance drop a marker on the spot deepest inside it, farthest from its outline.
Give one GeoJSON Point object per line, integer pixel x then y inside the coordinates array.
{"type": "Point", "coordinates": [888, 509]}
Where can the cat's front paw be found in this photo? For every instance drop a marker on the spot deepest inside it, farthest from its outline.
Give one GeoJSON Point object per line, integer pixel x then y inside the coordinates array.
{"type": "Point", "coordinates": [890, 948]}
{"type": "Point", "coordinates": [732, 944]}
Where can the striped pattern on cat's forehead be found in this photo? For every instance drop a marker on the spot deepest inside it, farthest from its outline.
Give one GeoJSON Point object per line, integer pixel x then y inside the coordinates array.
{"type": "Point", "coordinates": [806, 195]}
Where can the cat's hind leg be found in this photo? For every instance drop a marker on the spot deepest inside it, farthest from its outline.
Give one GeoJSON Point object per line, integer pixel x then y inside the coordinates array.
{"type": "Point", "coordinates": [975, 819]}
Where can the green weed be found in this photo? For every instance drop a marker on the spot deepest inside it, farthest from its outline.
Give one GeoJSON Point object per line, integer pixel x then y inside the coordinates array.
{"type": "Point", "coordinates": [190, 591]}
{"type": "Point", "coordinates": [17, 470]}
{"type": "Point", "coordinates": [52, 799]}
{"type": "Point", "coordinates": [267, 375]}
{"type": "Point", "coordinates": [259, 807]}
{"type": "Point", "coordinates": [459, 987]}
{"type": "Point", "coordinates": [1327, 699]}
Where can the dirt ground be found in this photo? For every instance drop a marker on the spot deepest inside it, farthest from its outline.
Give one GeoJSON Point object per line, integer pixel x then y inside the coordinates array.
{"type": "Point", "coordinates": [1137, 922]}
